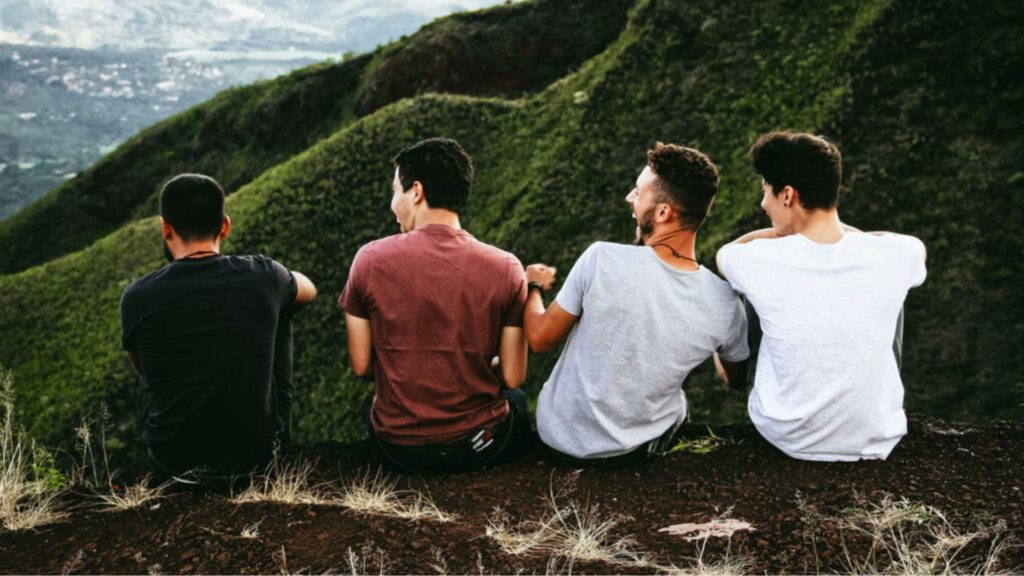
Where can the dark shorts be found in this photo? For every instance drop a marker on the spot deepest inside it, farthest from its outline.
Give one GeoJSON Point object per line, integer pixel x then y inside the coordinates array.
{"type": "Point", "coordinates": [505, 441]}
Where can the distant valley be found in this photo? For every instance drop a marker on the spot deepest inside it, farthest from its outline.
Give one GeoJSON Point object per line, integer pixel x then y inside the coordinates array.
{"type": "Point", "coordinates": [77, 80]}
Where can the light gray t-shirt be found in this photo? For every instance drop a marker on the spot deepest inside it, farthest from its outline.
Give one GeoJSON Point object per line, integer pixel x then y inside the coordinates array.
{"type": "Point", "coordinates": [643, 326]}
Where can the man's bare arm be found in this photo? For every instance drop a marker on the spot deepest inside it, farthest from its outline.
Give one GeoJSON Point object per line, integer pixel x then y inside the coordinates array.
{"type": "Point", "coordinates": [512, 356]}
{"type": "Point", "coordinates": [306, 290]}
{"type": "Point", "coordinates": [544, 328]}
{"type": "Point", "coordinates": [360, 345]}
{"type": "Point", "coordinates": [762, 234]}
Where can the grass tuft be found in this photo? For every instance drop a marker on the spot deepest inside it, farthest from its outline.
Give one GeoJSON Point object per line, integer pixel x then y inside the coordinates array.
{"type": "Point", "coordinates": [377, 494]}
{"type": "Point", "coordinates": [130, 497]}
{"type": "Point", "coordinates": [25, 500]}
{"type": "Point", "coordinates": [286, 484]}
{"type": "Point", "coordinates": [906, 537]}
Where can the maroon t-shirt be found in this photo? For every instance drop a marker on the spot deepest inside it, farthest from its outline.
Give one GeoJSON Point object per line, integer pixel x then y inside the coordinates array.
{"type": "Point", "coordinates": [437, 299]}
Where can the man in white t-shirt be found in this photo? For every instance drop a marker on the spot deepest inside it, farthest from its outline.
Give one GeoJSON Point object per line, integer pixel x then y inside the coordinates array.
{"type": "Point", "coordinates": [638, 319]}
{"type": "Point", "coordinates": [829, 297]}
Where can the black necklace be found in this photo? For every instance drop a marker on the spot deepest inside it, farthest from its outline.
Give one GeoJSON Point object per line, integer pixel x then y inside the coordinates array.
{"type": "Point", "coordinates": [675, 252]}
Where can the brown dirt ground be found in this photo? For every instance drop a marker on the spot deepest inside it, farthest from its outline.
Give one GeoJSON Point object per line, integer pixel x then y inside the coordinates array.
{"type": "Point", "coordinates": [970, 472]}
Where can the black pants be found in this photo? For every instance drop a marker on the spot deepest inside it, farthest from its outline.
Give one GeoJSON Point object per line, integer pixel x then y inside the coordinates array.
{"type": "Point", "coordinates": [512, 438]}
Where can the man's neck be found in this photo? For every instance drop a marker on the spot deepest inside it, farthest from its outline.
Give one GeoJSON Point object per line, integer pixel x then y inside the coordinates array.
{"type": "Point", "coordinates": [821, 226]}
{"type": "Point", "coordinates": [201, 248]}
{"type": "Point", "coordinates": [437, 216]}
{"type": "Point", "coordinates": [675, 247]}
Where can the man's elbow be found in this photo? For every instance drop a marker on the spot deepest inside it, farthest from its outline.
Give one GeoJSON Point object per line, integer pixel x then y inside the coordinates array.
{"type": "Point", "coordinates": [513, 380]}
{"type": "Point", "coordinates": [362, 369]}
{"type": "Point", "coordinates": [539, 344]}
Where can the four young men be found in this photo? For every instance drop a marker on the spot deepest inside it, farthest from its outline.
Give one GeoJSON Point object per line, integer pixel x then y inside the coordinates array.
{"type": "Point", "coordinates": [441, 322]}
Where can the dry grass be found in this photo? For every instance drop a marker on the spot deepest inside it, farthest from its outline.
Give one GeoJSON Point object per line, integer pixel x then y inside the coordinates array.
{"type": "Point", "coordinates": [377, 494]}
{"type": "Point", "coordinates": [131, 497]}
{"type": "Point", "coordinates": [358, 561]}
{"type": "Point", "coordinates": [250, 531]}
{"type": "Point", "coordinates": [25, 500]}
{"type": "Point", "coordinates": [912, 538]}
{"type": "Point", "coordinates": [570, 531]}
{"type": "Point", "coordinates": [286, 484]}
{"type": "Point", "coordinates": [521, 538]}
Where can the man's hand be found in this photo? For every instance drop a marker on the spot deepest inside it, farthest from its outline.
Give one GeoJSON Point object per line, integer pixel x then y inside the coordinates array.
{"type": "Point", "coordinates": [541, 274]}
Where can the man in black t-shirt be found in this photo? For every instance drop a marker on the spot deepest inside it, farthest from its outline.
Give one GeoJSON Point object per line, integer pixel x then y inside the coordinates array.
{"type": "Point", "coordinates": [210, 336]}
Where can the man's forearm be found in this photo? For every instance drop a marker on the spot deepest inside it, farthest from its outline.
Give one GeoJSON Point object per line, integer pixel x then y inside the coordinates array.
{"type": "Point", "coordinates": [756, 235]}
{"type": "Point", "coordinates": [533, 313]}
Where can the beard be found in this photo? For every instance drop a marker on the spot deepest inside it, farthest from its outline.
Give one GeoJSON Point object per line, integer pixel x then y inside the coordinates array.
{"type": "Point", "coordinates": [644, 226]}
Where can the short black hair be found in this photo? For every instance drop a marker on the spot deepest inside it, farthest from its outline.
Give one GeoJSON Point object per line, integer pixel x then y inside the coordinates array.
{"type": "Point", "coordinates": [442, 167]}
{"type": "Point", "coordinates": [810, 164]}
{"type": "Point", "coordinates": [687, 179]}
{"type": "Point", "coordinates": [193, 204]}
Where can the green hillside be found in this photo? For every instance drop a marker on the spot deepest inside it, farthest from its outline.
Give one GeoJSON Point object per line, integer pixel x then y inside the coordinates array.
{"type": "Point", "coordinates": [239, 134]}
{"type": "Point", "coordinates": [923, 97]}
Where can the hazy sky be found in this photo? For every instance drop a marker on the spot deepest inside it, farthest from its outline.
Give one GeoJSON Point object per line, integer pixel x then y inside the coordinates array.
{"type": "Point", "coordinates": [212, 24]}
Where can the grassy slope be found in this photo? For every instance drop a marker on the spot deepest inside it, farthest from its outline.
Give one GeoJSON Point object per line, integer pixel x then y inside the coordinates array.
{"type": "Point", "coordinates": [242, 132]}
{"type": "Point", "coordinates": [553, 169]}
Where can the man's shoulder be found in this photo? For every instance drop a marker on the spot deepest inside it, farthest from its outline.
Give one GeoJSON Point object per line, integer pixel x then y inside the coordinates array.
{"type": "Point", "coordinates": [493, 253]}
{"type": "Point", "coordinates": [381, 246]}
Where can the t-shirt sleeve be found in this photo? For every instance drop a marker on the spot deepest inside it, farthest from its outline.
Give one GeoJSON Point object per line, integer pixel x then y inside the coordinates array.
{"type": "Point", "coordinates": [578, 282]}
{"type": "Point", "coordinates": [916, 258]}
{"type": "Point", "coordinates": [735, 348]}
{"type": "Point", "coordinates": [353, 297]}
{"type": "Point", "coordinates": [285, 286]}
{"type": "Point", "coordinates": [730, 265]}
{"type": "Point", "coordinates": [517, 298]}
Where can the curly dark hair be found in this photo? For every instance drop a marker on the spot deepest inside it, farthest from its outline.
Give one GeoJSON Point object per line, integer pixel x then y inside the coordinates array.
{"type": "Point", "coordinates": [810, 164]}
{"type": "Point", "coordinates": [442, 167]}
{"type": "Point", "coordinates": [687, 179]}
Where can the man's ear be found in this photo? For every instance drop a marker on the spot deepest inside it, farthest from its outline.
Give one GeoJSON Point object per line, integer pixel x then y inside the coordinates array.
{"type": "Point", "coordinates": [417, 192]}
{"type": "Point", "coordinates": [790, 197]}
{"type": "Point", "coordinates": [665, 213]}
{"type": "Point", "coordinates": [225, 227]}
{"type": "Point", "coordinates": [166, 230]}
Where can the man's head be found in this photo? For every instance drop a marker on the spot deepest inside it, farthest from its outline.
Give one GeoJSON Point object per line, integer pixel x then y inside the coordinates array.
{"type": "Point", "coordinates": [192, 210]}
{"type": "Point", "coordinates": [433, 174]}
{"type": "Point", "coordinates": [799, 171]}
{"type": "Point", "coordinates": [675, 189]}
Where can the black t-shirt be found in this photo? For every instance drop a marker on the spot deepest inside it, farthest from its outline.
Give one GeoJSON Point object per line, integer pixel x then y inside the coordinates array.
{"type": "Point", "coordinates": [204, 332]}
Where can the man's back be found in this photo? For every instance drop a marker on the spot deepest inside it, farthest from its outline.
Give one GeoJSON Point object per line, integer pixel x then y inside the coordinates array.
{"type": "Point", "coordinates": [204, 333]}
{"type": "Point", "coordinates": [437, 300]}
{"type": "Point", "coordinates": [827, 384]}
{"type": "Point", "coordinates": [643, 326]}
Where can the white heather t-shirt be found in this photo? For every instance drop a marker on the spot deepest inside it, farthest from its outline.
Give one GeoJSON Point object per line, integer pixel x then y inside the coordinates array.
{"type": "Point", "coordinates": [827, 386]}
{"type": "Point", "coordinates": [643, 326]}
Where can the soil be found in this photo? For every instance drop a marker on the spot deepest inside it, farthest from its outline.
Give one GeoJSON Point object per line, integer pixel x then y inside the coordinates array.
{"type": "Point", "coordinates": [969, 472]}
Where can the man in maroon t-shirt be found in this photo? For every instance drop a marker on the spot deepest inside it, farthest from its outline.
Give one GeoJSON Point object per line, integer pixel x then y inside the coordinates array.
{"type": "Point", "coordinates": [427, 311]}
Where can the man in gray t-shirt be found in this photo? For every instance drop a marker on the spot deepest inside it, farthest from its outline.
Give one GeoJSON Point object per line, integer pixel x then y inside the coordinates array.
{"type": "Point", "coordinates": [638, 319]}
